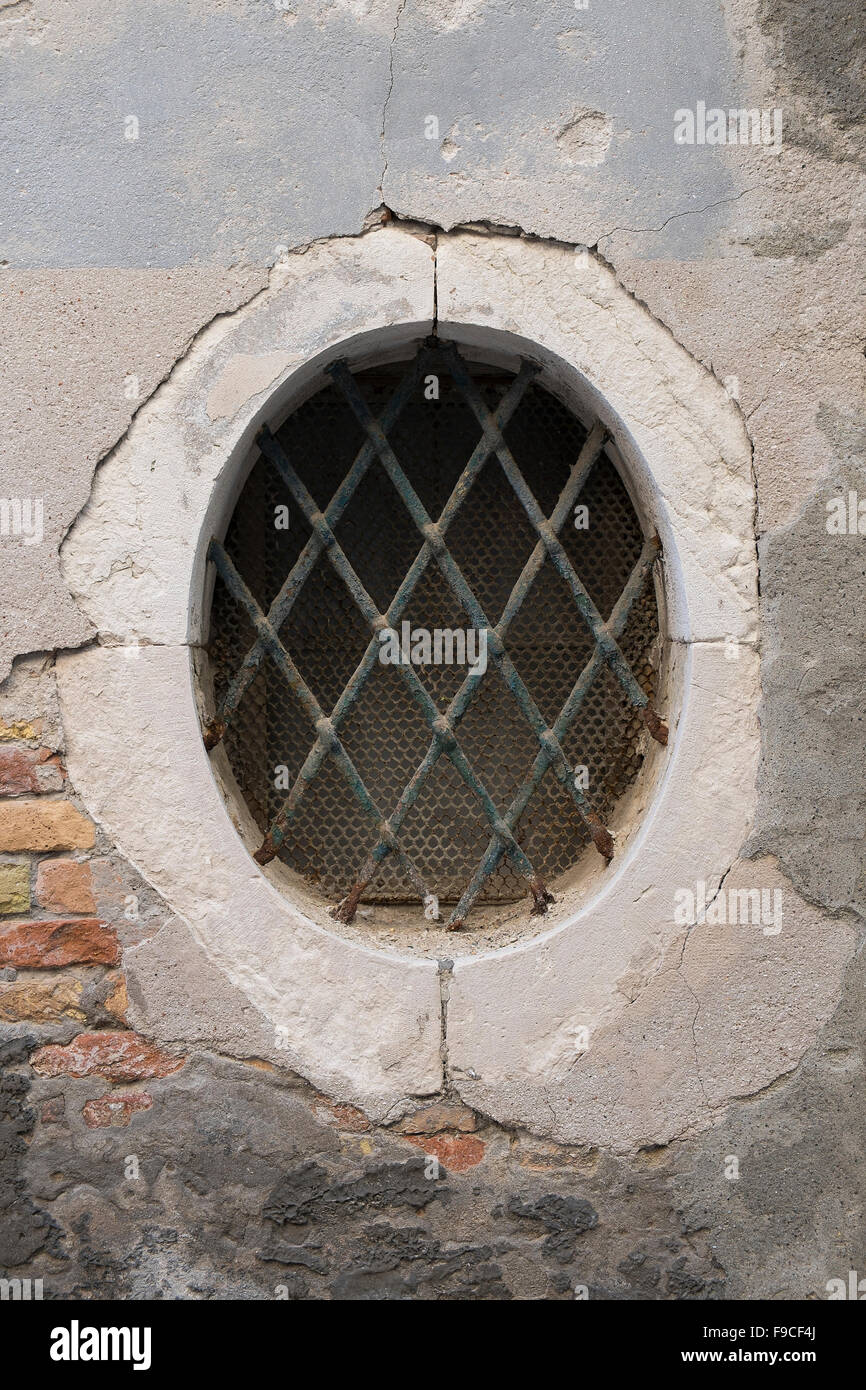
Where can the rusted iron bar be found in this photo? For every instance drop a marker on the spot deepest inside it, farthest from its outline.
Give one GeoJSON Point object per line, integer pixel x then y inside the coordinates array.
{"type": "Point", "coordinates": [319, 750]}
{"type": "Point", "coordinates": [300, 571]}
{"type": "Point", "coordinates": [581, 470]}
{"type": "Point", "coordinates": [616, 625]}
{"type": "Point", "coordinates": [452, 573]}
{"type": "Point", "coordinates": [585, 606]}
{"type": "Point", "coordinates": [314, 712]}
{"type": "Point", "coordinates": [441, 729]}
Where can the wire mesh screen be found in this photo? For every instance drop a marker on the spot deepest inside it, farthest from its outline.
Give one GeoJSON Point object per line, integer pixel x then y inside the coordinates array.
{"type": "Point", "coordinates": [385, 734]}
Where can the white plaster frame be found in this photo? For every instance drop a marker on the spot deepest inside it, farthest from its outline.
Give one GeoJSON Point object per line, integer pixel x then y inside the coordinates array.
{"type": "Point", "coordinates": [365, 1024]}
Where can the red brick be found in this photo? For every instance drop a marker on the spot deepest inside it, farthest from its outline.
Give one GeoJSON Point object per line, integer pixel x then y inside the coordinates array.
{"type": "Point", "coordinates": [456, 1152]}
{"type": "Point", "coordinates": [49, 945]}
{"type": "Point", "coordinates": [27, 770]}
{"type": "Point", "coordinates": [114, 1109]}
{"type": "Point", "coordinates": [118, 1056]}
{"type": "Point", "coordinates": [64, 885]}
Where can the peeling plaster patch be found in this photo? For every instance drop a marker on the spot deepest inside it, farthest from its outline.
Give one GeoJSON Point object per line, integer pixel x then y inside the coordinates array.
{"type": "Point", "coordinates": [797, 238]}
{"type": "Point", "coordinates": [762, 998]}
{"type": "Point", "coordinates": [813, 802]}
{"type": "Point", "coordinates": [450, 147]}
{"type": "Point", "coordinates": [20, 23]}
{"type": "Point", "coordinates": [816, 59]}
{"type": "Point", "coordinates": [29, 710]}
{"type": "Point", "coordinates": [83, 351]}
{"type": "Point", "coordinates": [741, 1011]}
{"type": "Point", "coordinates": [578, 44]}
{"type": "Point", "coordinates": [243, 377]}
{"type": "Point", "coordinates": [450, 15]}
{"type": "Point", "coordinates": [584, 140]}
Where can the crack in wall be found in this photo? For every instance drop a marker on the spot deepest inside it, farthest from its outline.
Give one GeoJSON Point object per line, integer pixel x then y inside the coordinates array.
{"type": "Point", "coordinates": [446, 972]}
{"type": "Point", "coordinates": [400, 8]}
{"type": "Point", "coordinates": [675, 216]}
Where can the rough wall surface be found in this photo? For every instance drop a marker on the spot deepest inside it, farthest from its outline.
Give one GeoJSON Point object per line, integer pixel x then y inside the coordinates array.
{"type": "Point", "coordinates": [154, 1142]}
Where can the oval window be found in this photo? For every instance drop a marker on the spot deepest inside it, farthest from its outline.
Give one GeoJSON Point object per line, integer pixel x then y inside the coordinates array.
{"type": "Point", "coordinates": [435, 643]}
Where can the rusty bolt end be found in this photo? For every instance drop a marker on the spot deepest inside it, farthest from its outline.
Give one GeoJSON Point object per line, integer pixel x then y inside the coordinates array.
{"type": "Point", "coordinates": [541, 897]}
{"type": "Point", "coordinates": [266, 852]}
{"type": "Point", "coordinates": [455, 925]}
{"type": "Point", "coordinates": [603, 841]}
{"type": "Point", "coordinates": [656, 726]}
{"type": "Point", "coordinates": [346, 909]}
{"type": "Point", "coordinates": [213, 733]}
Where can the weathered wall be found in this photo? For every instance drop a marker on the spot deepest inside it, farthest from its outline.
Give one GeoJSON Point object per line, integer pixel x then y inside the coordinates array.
{"type": "Point", "coordinates": [261, 129]}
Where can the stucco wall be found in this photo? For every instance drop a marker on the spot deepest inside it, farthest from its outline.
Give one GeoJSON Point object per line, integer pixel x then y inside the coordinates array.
{"type": "Point", "coordinates": [169, 164]}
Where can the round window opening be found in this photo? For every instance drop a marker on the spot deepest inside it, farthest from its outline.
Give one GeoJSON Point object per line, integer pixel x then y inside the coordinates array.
{"type": "Point", "coordinates": [435, 642]}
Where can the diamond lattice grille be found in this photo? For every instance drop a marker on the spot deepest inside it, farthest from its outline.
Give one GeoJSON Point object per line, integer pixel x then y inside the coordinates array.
{"type": "Point", "coordinates": [451, 513]}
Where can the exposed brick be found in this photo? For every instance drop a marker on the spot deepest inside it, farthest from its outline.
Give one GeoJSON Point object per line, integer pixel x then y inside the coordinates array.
{"type": "Point", "coordinates": [20, 729]}
{"type": "Point", "coordinates": [347, 1116]}
{"type": "Point", "coordinates": [53, 1110]}
{"type": "Point", "coordinates": [115, 1109]}
{"type": "Point", "coordinates": [43, 825]}
{"type": "Point", "coordinates": [118, 1056]}
{"type": "Point", "coordinates": [117, 1001]}
{"type": "Point", "coordinates": [64, 885]}
{"type": "Point", "coordinates": [431, 1119]}
{"type": "Point", "coordinates": [27, 770]}
{"type": "Point", "coordinates": [14, 888]}
{"type": "Point", "coordinates": [41, 1001]}
{"type": "Point", "coordinates": [49, 945]}
{"type": "Point", "coordinates": [543, 1155]}
{"type": "Point", "coordinates": [456, 1152]}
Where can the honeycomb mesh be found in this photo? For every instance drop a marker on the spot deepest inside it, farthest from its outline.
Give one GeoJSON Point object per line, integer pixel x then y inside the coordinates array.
{"type": "Point", "coordinates": [386, 735]}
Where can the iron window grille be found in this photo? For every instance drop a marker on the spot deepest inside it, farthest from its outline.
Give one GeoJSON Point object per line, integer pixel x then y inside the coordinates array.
{"type": "Point", "coordinates": [502, 810]}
